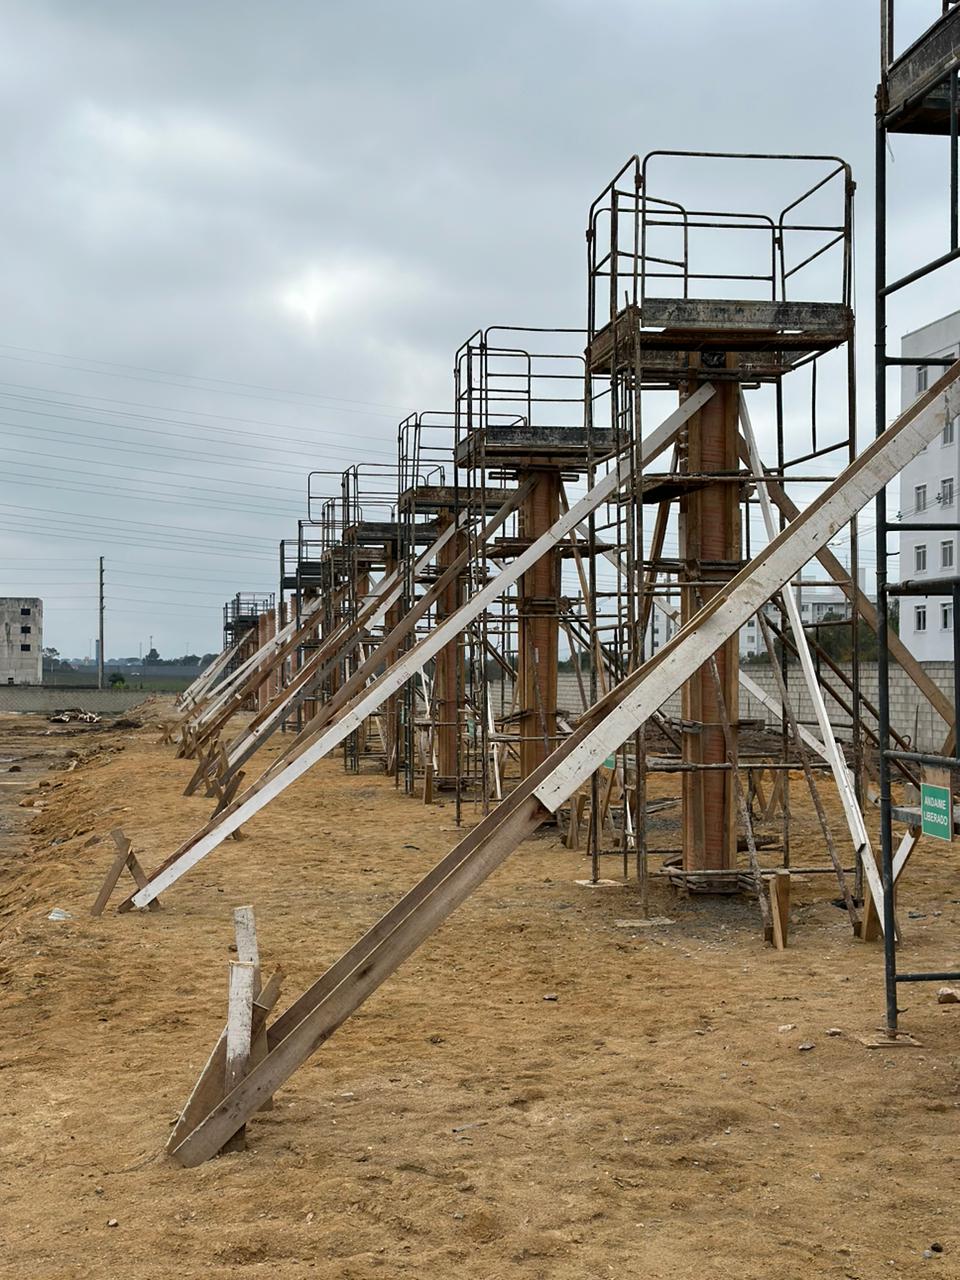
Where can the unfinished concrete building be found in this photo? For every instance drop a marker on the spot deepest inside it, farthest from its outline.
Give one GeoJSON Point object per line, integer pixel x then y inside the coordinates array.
{"type": "Point", "coordinates": [21, 640]}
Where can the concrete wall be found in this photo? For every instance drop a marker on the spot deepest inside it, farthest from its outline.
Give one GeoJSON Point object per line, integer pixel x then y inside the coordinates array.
{"type": "Point", "coordinates": [21, 640]}
{"type": "Point", "coordinates": [910, 713]}
{"type": "Point", "coordinates": [101, 701]}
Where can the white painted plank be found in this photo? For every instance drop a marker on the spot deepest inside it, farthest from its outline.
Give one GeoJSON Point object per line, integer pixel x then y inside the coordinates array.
{"type": "Point", "coordinates": [245, 930]}
{"type": "Point", "coordinates": [838, 765]}
{"type": "Point", "coordinates": [650, 686]}
{"type": "Point", "coordinates": [396, 676]}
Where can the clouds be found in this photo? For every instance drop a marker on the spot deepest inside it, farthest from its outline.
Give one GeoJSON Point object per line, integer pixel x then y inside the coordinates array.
{"type": "Point", "coordinates": [324, 198]}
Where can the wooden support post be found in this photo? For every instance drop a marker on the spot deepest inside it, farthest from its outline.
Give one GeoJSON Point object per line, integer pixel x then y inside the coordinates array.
{"type": "Point", "coordinates": [446, 728]}
{"type": "Point", "coordinates": [247, 951]}
{"type": "Point", "coordinates": [709, 532]}
{"type": "Point", "coordinates": [127, 860]}
{"type": "Point", "coordinates": [780, 907]}
{"type": "Point", "coordinates": [226, 795]}
{"type": "Point", "coordinates": [239, 1034]}
{"type": "Point", "coordinates": [577, 804]}
{"type": "Point", "coordinates": [538, 609]}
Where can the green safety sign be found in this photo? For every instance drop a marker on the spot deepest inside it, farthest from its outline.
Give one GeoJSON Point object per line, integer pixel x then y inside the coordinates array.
{"type": "Point", "coordinates": [936, 811]}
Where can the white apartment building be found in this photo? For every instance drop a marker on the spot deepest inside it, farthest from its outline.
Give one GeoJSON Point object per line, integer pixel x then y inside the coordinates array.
{"type": "Point", "coordinates": [661, 626]}
{"type": "Point", "coordinates": [819, 601]}
{"type": "Point", "coordinates": [928, 495]}
{"type": "Point", "coordinates": [21, 640]}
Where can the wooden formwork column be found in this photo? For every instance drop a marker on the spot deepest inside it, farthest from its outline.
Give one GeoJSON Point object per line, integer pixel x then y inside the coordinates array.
{"type": "Point", "coordinates": [445, 673]}
{"type": "Point", "coordinates": [538, 608]}
{"type": "Point", "coordinates": [709, 532]}
{"type": "Point", "coordinates": [391, 707]}
{"type": "Point", "coordinates": [266, 628]}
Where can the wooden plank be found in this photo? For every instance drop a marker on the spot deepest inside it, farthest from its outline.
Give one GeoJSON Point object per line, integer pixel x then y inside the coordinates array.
{"type": "Point", "coordinates": [940, 702]}
{"type": "Point", "coordinates": [870, 922]}
{"type": "Point", "coordinates": [577, 804]}
{"type": "Point", "coordinates": [114, 874]}
{"type": "Point", "coordinates": [245, 932]}
{"type": "Point", "coordinates": [908, 843]}
{"type": "Point", "coordinates": [842, 776]}
{"type": "Point", "coordinates": [791, 719]}
{"type": "Point", "coordinates": [204, 680]}
{"type": "Point", "coordinates": [126, 859]}
{"type": "Point", "coordinates": [140, 878]}
{"type": "Point", "coordinates": [270, 658]}
{"type": "Point", "coordinates": [239, 1037]}
{"type": "Point", "coordinates": [775, 707]}
{"type": "Point", "coordinates": [200, 714]}
{"type": "Point", "coordinates": [780, 907]}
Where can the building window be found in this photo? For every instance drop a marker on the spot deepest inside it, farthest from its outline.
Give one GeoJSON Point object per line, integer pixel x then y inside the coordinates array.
{"type": "Point", "coordinates": [24, 648]}
{"type": "Point", "coordinates": [946, 554]}
{"type": "Point", "coordinates": [920, 617]}
{"type": "Point", "coordinates": [920, 497]}
{"type": "Point", "coordinates": [946, 492]}
{"type": "Point", "coordinates": [922, 373]}
{"type": "Point", "coordinates": [24, 631]}
{"type": "Point", "coordinates": [24, 613]}
{"type": "Point", "coordinates": [920, 558]}
{"type": "Point", "coordinates": [948, 430]}
{"type": "Point", "coordinates": [946, 617]}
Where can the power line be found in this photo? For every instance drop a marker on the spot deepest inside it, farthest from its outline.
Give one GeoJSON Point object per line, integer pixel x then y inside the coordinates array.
{"type": "Point", "coordinates": [310, 442]}
{"type": "Point", "coordinates": [138, 524]}
{"type": "Point", "coordinates": [220, 459]}
{"type": "Point", "coordinates": [81, 401]}
{"type": "Point", "coordinates": [65, 533]}
{"type": "Point", "coordinates": [211, 503]}
{"type": "Point", "coordinates": [123, 466]}
{"type": "Point", "coordinates": [165, 373]}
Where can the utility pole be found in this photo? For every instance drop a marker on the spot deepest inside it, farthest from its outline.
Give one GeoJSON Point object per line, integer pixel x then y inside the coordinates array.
{"type": "Point", "coordinates": [100, 645]}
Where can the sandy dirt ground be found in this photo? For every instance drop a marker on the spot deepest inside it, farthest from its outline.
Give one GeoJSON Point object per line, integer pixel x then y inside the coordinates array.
{"type": "Point", "coordinates": [657, 1118]}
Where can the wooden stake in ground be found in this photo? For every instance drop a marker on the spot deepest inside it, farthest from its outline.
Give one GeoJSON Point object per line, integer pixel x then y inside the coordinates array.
{"type": "Point", "coordinates": [780, 907]}
{"type": "Point", "coordinates": [242, 1044]}
{"type": "Point", "coordinates": [239, 1037]}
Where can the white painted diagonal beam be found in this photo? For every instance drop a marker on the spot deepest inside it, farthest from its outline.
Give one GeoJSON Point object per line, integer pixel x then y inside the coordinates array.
{"type": "Point", "coordinates": [838, 765]}
{"type": "Point", "coordinates": [772, 704]}
{"type": "Point", "coordinates": [197, 688]}
{"type": "Point", "coordinates": [257, 796]}
{"type": "Point", "coordinates": [650, 686]}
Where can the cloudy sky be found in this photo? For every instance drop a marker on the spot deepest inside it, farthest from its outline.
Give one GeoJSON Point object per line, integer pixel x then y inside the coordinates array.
{"type": "Point", "coordinates": [240, 241]}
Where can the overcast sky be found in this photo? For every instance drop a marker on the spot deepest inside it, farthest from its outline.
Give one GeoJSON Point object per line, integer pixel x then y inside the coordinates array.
{"type": "Point", "coordinates": [239, 241]}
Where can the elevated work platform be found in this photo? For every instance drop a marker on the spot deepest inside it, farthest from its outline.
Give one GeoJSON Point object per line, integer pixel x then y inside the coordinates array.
{"type": "Point", "coordinates": [430, 499]}
{"type": "Point", "coordinates": [520, 445]}
{"type": "Point", "coordinates": [917, 88]}
{"type": "Point", "coordinates": [770, 338]}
